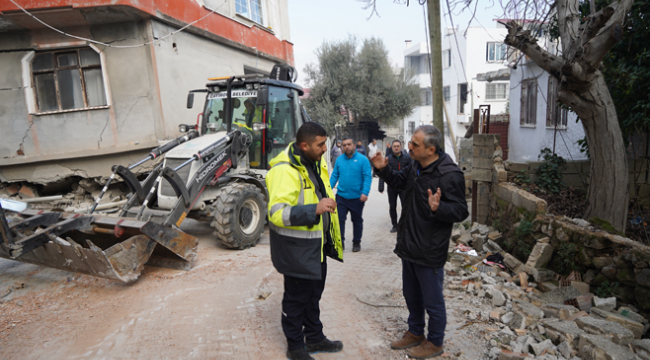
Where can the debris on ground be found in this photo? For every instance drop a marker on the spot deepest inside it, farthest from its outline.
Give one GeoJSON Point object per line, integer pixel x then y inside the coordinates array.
{"type": "Point", "coordinates": [535, 313]}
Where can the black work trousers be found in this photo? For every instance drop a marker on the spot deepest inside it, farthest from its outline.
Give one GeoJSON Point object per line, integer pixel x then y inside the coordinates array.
{"type": "Point", "coordinates": [300, 310]}
{"type": "Point", "coordinates": [392, 202]}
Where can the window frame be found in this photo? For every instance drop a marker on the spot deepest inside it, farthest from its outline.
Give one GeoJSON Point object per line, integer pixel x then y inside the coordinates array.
{"type": "Point", "coordinates": [461, 96]}
{"type": "Point", "coordinates": [446, 55]}
{"type": "Point", "coordinates": [446, 93]}
{"type": "Point", "coordinates": [249, 10]}
{"type": "Point", "coordinates": [528, 103]}
{"type": "Point", "coordinates": [82, 77]}
{"type": "Point", "coordinates": [553, 108]}
{"type": "Point", "coordinates": [496, 92]}
{"type": "Point", "coordinates": [502, 46]}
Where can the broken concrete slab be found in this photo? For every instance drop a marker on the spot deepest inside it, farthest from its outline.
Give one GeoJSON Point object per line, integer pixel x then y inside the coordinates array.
{"type": "Point", "coordinates": [583, 287]}
{"type": "Point", "coordinates": [497, 298]}
{"type": "Point", "coordinates": [540, 275]}
{"type": "Point", "coordinates": [642, 348]}
{"type": "Point", "coordinates": [509, 355]}
{"type": "Point", "coordinates": [561, 330]}
{"type": "Point", "coordinates": [464, 238]}
{"type": "Point", "coordinates": [492, 247]}
{"type": "Point", "coordinates": [607, 304]}
{"type": "Point", "coordinates": [614, 331]}
{"type": "Point", "coordinates": [540, 256]}
{"type": "Point", "coordinates": [518, 322]}
{"type": "Point", "coordinates": [543, 347]}
{"type": "Point", "coordinates": [513, 263]}
{"type": "Point", "coordinates": [560, 295]}
{"type": "Point", "coordinates": [565, 349]}
{"type": "Point", "coordinates": [599, 347]}
{"type": "Point", "coordinates": [559, 311]}
{"type": "Point", "coordinates": [635, 327]}
{"type": "Point", "coordinates": [531, 313]}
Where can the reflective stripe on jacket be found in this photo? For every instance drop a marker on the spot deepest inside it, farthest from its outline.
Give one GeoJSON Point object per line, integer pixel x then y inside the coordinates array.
{"type": "Point", "coordinates": [298, 242]}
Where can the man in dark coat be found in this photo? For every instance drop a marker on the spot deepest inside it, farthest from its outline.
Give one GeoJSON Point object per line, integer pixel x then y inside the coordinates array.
{"type": "Point", "coordinates": [435, 199]}
{"type": "Point", "coordinates": [398, 160]}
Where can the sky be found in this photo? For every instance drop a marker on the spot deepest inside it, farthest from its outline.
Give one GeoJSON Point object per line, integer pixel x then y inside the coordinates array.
{"type": "Point", "coordinates": [314, 21]}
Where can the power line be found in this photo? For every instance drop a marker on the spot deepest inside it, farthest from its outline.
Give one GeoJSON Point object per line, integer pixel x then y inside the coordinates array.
{"type": "Point", "coordinates": [109, 45]}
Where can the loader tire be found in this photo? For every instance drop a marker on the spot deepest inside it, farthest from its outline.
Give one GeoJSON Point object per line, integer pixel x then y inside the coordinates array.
{"type": "Point", "coordinates": [240, 211]}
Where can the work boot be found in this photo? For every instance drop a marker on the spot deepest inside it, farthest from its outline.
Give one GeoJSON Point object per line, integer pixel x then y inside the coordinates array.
{"type": "Point", "coordinates": [299, 354]}
{"type": "Point", "coordinates": [394, 229]}
{"type": "Point", "coordinates": [425, 350]}
{"type": "Point", "coordinates": [356, 247]}
{"type": "Point", "coordinates": [324, 346]}
{"type": "Point", "coordinates": [408, 340]}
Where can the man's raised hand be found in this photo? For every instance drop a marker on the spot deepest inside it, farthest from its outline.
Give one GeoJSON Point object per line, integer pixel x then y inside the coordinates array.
{"type": "Point", "coordinates": [325, 205]}
{"type": "Point", "coordinates": [434, 199]}
{"type": "Point", "coordinates": [379, 161]}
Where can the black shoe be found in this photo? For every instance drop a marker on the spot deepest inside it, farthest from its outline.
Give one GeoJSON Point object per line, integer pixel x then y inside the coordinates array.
{"type": "Point", "coordinates": [324, 346]}
{"type": "Point", "coordinates": [356, 247]}
{"type": "Point", "coordinates": [299, 354]}
{"type": "Point", "coordinates": [394, 229]}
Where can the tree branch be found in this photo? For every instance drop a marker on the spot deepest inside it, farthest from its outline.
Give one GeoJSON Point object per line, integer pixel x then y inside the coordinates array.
{"type": "Point", "coordinates": [568, 18]}
{"type": "Point", "coordinates": [596, 22]}
{"type": "Point", "coordinates": [597, 47]}
{"type": "Point", "coordinates": [522, 40]}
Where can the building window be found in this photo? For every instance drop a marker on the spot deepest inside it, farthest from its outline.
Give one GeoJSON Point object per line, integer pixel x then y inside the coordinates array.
{"type": "Point", "coordinates": [496, 91]}
{"type": "Point", "coordinates": [446, 93]}
{"type": "Point", "coordinates": [251, 9]}
{"type": "Point", "coordinates": [496, 51]}
{"type": "Point", "coordinates": [528, 111]}
{"type": "Point", "coordinates": [68, 80]}
{"type": "Point", "coordinates": [425, 94]}
{"type": "Point", "coordinates": [446, 59]}
{"type": "Point", "coordinates": [411, 127]}
{"type": "Point", "coordinates": [555, 115]}
{"type": "Point", "coordinates": [462, 98]}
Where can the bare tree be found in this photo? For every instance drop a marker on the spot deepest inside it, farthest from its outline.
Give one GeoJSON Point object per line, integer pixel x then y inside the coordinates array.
{"type": "Point", "coordinates": [583, 88]}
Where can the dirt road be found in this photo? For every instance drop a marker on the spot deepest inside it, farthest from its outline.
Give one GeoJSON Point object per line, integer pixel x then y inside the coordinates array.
{"type": "Point", "coordinates": [227, 307]}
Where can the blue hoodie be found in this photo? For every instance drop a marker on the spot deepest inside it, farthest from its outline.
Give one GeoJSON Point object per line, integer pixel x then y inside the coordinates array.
{"type": "Point", "coordinates": [354, 176]}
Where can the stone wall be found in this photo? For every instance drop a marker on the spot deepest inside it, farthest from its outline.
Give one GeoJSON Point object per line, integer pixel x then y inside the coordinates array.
{"type": "Point", "coordinates": [544, 245]}
{"type": "Point", "coordinates": [576, 174]}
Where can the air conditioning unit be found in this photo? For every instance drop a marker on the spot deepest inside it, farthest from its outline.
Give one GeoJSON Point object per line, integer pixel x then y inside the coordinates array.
{"type": "Point", "coordinates": [400, 138]}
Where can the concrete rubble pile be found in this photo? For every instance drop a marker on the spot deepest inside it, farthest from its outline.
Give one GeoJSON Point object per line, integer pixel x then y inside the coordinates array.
{"type": "Point", "coordinates": [77, 196]}
{"type": "Point", "coordinates": [536, 314]}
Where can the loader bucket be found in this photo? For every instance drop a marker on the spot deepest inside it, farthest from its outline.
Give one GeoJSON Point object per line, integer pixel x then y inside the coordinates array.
{"type": "Point", "coordinates": [108, 247]}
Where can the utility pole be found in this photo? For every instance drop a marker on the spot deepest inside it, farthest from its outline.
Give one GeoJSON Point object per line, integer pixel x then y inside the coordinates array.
{"type": "Point", "coordinates": [436, 65]}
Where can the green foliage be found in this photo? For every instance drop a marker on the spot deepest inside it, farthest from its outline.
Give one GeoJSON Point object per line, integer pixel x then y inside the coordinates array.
{"type": "Point", "coordinates": [522, 178]}
{"type": "Point", "coordinates": [566, 258]}
{"type": "Point", "coordinates": [466, 225]}
{"type": "Point", "coordinates": [349, 83]}
{"type": "Point", "coordinates": [524, 229]}
{"type": "Point", "coordinates": [606, 289]}
{"type": "Point", "coordinates": [627, 68]}
{"type": "Point", "coordinates": [549, 173]}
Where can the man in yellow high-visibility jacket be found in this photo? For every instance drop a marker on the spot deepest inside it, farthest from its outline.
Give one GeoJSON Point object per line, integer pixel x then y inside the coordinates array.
{"type": "Point", "coordinates": [304, 230]}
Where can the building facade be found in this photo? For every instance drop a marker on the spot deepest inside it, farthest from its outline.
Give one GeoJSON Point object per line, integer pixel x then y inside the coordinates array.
{"type": "Point", "coordinates": [74, 105]}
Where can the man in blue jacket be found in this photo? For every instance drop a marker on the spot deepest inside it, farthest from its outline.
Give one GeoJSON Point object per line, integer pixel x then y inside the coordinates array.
{"type": "Point", "coordinates": [354, 176]}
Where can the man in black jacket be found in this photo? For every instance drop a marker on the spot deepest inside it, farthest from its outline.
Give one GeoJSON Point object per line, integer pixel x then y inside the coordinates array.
{"type": "Point", "coordinates": [397, 160]}
{"type": "Point", "coordinates": [435, 199]}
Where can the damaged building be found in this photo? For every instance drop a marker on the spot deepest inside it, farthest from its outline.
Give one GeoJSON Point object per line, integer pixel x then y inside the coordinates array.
{"type": "Point", "coordinates": [89, 84]}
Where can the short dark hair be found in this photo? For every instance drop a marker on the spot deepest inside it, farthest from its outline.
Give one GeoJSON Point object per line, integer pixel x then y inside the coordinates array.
{"type": "Point", "coordinates": [308, 132]}
{"type": "Point", "coordinates": [397, 140]}
{"type": "Point", "coordinates": [348, 138]}
{"type": "Point", "coordinates": [432, 136]}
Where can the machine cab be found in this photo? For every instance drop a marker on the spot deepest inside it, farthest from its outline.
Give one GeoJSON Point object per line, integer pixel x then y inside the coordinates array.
{"type": "Point", "coordinates": [268, 110]}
